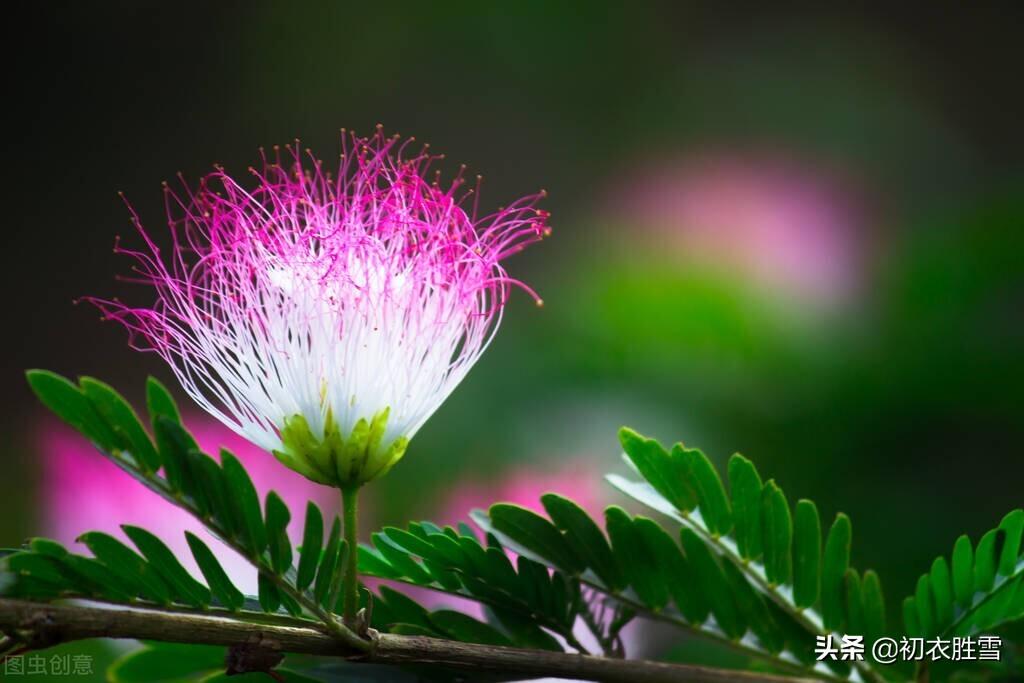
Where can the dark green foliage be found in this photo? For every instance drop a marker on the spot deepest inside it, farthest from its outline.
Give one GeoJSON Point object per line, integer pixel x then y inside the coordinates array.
{"type": "Point", "coordinates": [746, 506]}
{"type": "Point", "coordinates": [806, 555]}
{"type": "Point", "coordinates": [777, 535]}
{"type": "Point", "coordinates": [984, 588]}
{"type": "Point", "coordinates": [221, 587]}
{"type": "Point", "coordinates": [312, 541]}
{"type": "Point", "coordinates": [160, 557]}
{"type": "Point", "coordinates": [735, 562]}
{"type": "Point", "coordinates": [833, 572]}
{"type": "Point", "coordinates": [585, 538]}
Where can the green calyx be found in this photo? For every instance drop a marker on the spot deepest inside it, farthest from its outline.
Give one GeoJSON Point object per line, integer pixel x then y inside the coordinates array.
{"type": "Point", "coordinates": [340, 460]}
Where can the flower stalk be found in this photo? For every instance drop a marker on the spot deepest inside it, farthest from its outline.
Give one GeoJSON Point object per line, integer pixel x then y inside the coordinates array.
{"type": "Point", "coordinates": [350, 580]}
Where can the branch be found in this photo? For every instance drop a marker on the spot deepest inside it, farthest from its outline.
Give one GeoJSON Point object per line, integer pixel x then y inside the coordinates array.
{"type": "Point", "coordinates": [43, 625]}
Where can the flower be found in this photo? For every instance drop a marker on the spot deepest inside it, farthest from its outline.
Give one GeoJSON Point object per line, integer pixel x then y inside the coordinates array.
{"type": "Point", "coordinates": [793, 229]}
{"type": "Point", "coordinates": [325, 316]}
{"type": "Point", "coordinates": [72, 471]}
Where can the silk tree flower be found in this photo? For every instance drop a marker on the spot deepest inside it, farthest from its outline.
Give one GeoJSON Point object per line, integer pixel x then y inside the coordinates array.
{"type": "Point", "coordinates": [326, 315]}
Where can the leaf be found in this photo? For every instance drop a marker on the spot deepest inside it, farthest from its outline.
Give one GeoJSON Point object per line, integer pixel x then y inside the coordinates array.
{"type": "Point", "coordinates": [754, 610]}
{"type": "Point", "coordinates": [778, 535]}
{"type": "Point", "coordinates": [942, 591]}
{"type": "Point", "coordinates": [278, 517]}
{"type": "Point", "coordinates": [638, 559]}
{"type": "Point", "coordinates": [745, 484]}
{"type": "Point", "coordinates": [467, 629]}
{"type": "Point", "coordinates": [713, 583]}
{"type": "Point", "coordinates": [246, 504]}
{"type": "Point", "coordinates": [925, 610]}
{"type": "Point", "coordinates": [270, 597]}
{"type": "Point", "coordinates": [70, 404]}
{"type": "Point", "coordinates": [212, 486]}
{"type": "Point", "coordinates": [167, 663]}
{"type": "Point", "coordinates": [874, 606]}
{"type": "Point", "coordinates": [220, 584]}
{"type": "Point", "coordinates": [910, 618]}
{"type": "Point", "coordinates": [807, 554]}
{"type": "Point", "coordinates": [130, 569]}
{"type": "Point", "coordinates": [985, 561]}
{"type": "Point", "coordinates": [834, 565]}
{"type": "Point", "coordinates": [664, 473]}
{"type": "Point", "coordinates": [400, 560]}
{"type": "Point", "coordinates": [585, 537]}
{"type": "Point", "coordinates": [1013, 526]}
{"type": "Point", "coordinates": [406, 610]}
{"type": "Point", "coordinates": [535, 533]}
{"type": "Point", "coordinates": [417, 545]}
{"type": "Point", "coordinates": [159, 401]}
{"type": "Point", "coordinates": [676, 572]}
{"type": "Point", "coordinates": [325, 572]}
{"type": "Point", "coordinates": [174, 444]}
{"type": "Point", "coordinates": [312, 540]}
{"type": "Point", "coordinates": [524, 632]}
{"type": "Point", "coordinates": [854, 603]}
{"type": "Point", "coordinates": [711, 499]}
{"type": "Point", "coordinates": [37, 566]}
{"type": "Point", "coordinates": [48, 547]}
{"type": "Point", "coordinates": [121, 418]}
{"type": "Point", "coordinates": [963, 571]}
{"type": "Point", "coordinates": [186, 589]}
{"type": "Point", "coordinates": [104, 581]}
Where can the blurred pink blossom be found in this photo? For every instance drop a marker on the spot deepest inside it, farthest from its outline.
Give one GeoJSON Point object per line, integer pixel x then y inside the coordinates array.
{"type": "Point", "coordinates": [794, 228]}
{"type": "Point", "coordinates": [523, 485]}
{"type": "Point", "coordinates": [83, 491]}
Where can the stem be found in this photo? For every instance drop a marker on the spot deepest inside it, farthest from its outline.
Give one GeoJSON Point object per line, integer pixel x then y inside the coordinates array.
{"type": "Point", "coordinates": [350, 588]}
{"type": "Point", "coordinates": [45, 625]}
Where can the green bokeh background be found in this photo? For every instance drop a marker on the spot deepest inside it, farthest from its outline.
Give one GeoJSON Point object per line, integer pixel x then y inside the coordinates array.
{"type": "Point", "coordinates": [904, 409]}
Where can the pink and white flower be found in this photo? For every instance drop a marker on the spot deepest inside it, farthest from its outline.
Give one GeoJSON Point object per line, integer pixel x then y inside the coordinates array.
{"type": "Point", "coordinates": [325, 315]}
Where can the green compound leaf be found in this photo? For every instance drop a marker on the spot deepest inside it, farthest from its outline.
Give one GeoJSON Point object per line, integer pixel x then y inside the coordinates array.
{"type": "Point", "coordinates": [534, 533]}
{"type": "Point", "coordinates": [69, 403]}
{"type": "Point", "coordinates": [223, 590]}
{"type": "Point", "coordinates": [713, 582]}
{"type": "Point", "coordinates": [711, 499]}
{"type": "Point", "coordinates": [585, 537]}
{"type": "Point", "coordinates": [135, 573]}
{"type": "Point", "coordinates": [118, 414]}
{"type": "Point", "coordinates": [638, 556]}
{"type": "Point", "coordinates": [979, 589]}
{"type": "Point", "coordinates": [667, 474]}
{"type": "Point", "coordinates": [246, 505]}
{"type": "Point", "coordinates": [186, 589]}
